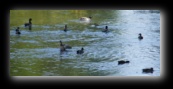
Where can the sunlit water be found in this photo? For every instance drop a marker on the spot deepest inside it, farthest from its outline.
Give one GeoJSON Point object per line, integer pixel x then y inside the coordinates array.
{"type": "Point", "coordinates": [37, 52]}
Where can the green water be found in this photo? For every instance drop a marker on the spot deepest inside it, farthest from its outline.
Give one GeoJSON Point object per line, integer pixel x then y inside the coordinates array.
{"type": "Point", "coordinates": [36, 52]}
{"type": "Point", "coordinates": [53, 17]}
{"type": "Point", "coordinates": [23, 64]}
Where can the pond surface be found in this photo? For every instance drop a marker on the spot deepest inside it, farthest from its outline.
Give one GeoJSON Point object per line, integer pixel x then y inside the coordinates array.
{"type": "Point", "coordinates": [36, 52]}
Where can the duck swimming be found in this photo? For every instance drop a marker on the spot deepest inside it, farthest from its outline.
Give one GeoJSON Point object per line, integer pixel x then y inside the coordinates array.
{"type": "Point", "coordinates": [106, 29]}
{"type": "Point", "coordinates": [140, 36]}
{"type": "Point", "coordinates": [65, 29]}
{"type": "Point", "coordinates": [122, 62]}
{"type": "Point", "coordinates": [65, 46]}
{"type": "Point", "coordinates": [85, 18]}
{"type": "Point", "coordinates": [148, 70]}
{"type": "Point", "coordinates": [62, 48]}
{"type": "Point", "coordinates": [17, 31]}
{"type": "Point", "coordinates": [29, 24]}
{"type": "Point", "coordinates": [80, 51]}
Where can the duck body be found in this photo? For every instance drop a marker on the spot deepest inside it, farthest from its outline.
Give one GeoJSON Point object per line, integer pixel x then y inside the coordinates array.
{"type": "Point", "coordinates": [65, 29]}
{"type": "Point", "coordinates": [80, 51]}
{"type": "Point", "coordinates": [67, 46]}
{"type": "Point", "coordinates": [147, 70]}
{"type": "Point", "coordinates": [140, 36]}
{"type": "Point", "coordinates": [106, 29]}
{"type": "Point", "coordinates": [122, 62]}
{"type": "Point", "coordinates": [28, 24]}
{"type": "Point", "coordinates": [85, 19]}
{"type": "Point", "coordinates": [17, 31]}
{"type": "Point", "coordinates": [63, 47]}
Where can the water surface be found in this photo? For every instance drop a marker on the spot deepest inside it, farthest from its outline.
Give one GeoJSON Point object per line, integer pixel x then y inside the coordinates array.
{"type": "Point", "coordinates": [37, 52]}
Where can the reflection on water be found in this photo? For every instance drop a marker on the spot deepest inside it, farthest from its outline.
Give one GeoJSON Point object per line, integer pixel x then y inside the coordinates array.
{"type": "Point", "coordinates": [37, 52]}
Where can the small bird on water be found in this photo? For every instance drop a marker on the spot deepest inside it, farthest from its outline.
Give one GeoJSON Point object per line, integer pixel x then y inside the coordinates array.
{"type": "Point", "coordinates": [17, 31]}
{"type": "Point", "coordinates": [106, 29]}
{"type": "Point", "coordinates": [140, 36]}
{"type": "Point", "coordinates": [65, 29]}
{"type": "Point", "coordinates": [80, 51]}
{"type": "Point", "coordinates": [29, 24]}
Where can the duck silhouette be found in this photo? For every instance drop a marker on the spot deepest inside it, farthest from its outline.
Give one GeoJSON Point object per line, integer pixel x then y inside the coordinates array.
{"type": "Point", "coordinates": [148, 70]}
{"type": "Point", "coordinates": [17, 31]}
{"type": "Point", "coordinates": [65, 28]}
{"type": "Point", "coordinates": [122, 62]}
{"type": "Point", "coordinates": [65, 45]}
{"type": "Point", "coordinates": [62, 48]}
{"type": "Point", "coordinates": [106, 29]}
{"type": "Point", "coordinates": [80, 51]}
{"type": "Point", "coordinates": [29, 24]}
{"type": "Point", "coordinates": [140, 36]}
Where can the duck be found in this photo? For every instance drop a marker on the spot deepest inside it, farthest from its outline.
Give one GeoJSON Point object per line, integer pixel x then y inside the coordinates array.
{"type": "Point", "coordinates": [17, 31]}
{"type": "Point", "coordinates": [29, 24]}
{"type": "Point", "coordinates": [123, 62]}
{"type": "Point", "coordinates": [106, 29]}
{"type": "Point", "coordinates": [85, 18]}
{"type": "Point", "coordinates": [148, 70]}
{"type": "Point", "coordinates": [62, 48]}
{"type": "Point", "coordinates": [65, 45]}
{"type": "Point", "coordinates": [80, 51]}
{"type": "Point", "coordinates": [65, 29]}
{"type": "Point", "coordinates": [140, 36]}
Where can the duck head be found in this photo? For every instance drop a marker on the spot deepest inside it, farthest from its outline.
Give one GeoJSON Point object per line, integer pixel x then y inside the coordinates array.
{"type": "Point", "coordinates": [106, 27]}
{"type": "Point", "coordinates": [30, 19]}
{"type": "Point", "coordinates": [90, 17]}
{"type": "Point", "coordinates": [82, 48]}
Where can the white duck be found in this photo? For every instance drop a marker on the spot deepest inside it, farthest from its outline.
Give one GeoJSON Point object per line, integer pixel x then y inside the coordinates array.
{"type": "Point", "coordinates": [87, 19]}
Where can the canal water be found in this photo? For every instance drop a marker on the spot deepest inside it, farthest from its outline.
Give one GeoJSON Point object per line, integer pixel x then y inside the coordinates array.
{"type": "Point", "coordinates": [36, 52]}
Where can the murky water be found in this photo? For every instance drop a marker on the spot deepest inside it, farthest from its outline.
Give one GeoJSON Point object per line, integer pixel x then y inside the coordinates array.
{"type": "Point", "coordinates": [37, 52]}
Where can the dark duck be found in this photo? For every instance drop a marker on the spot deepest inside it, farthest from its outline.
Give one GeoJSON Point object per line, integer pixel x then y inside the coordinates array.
{"type": "Point", "coordinates": [106, 29]}
{"type": "Point", "coordinates": [148, 70]}
{"type": "Point", "coordinates": [29, 24]}
{"type": "Point", "coordinates": [80, 51]}
{"type": "Point", "coordinates": [140, 36]}
{"type": "Point", "coordinates": [122, 62]}
{"type": "Point", "coordinates": [17, 31]}
{"type": "Point", "coordinates": [65, 45]}
{"type": "Point", "coordinates": [62, 48]}
{"type": "Point", "coordinates": [65, 28]}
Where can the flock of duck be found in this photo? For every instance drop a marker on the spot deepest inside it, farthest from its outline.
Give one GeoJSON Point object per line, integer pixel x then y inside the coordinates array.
{"type": "Point", "coordinates": [63, 47]}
